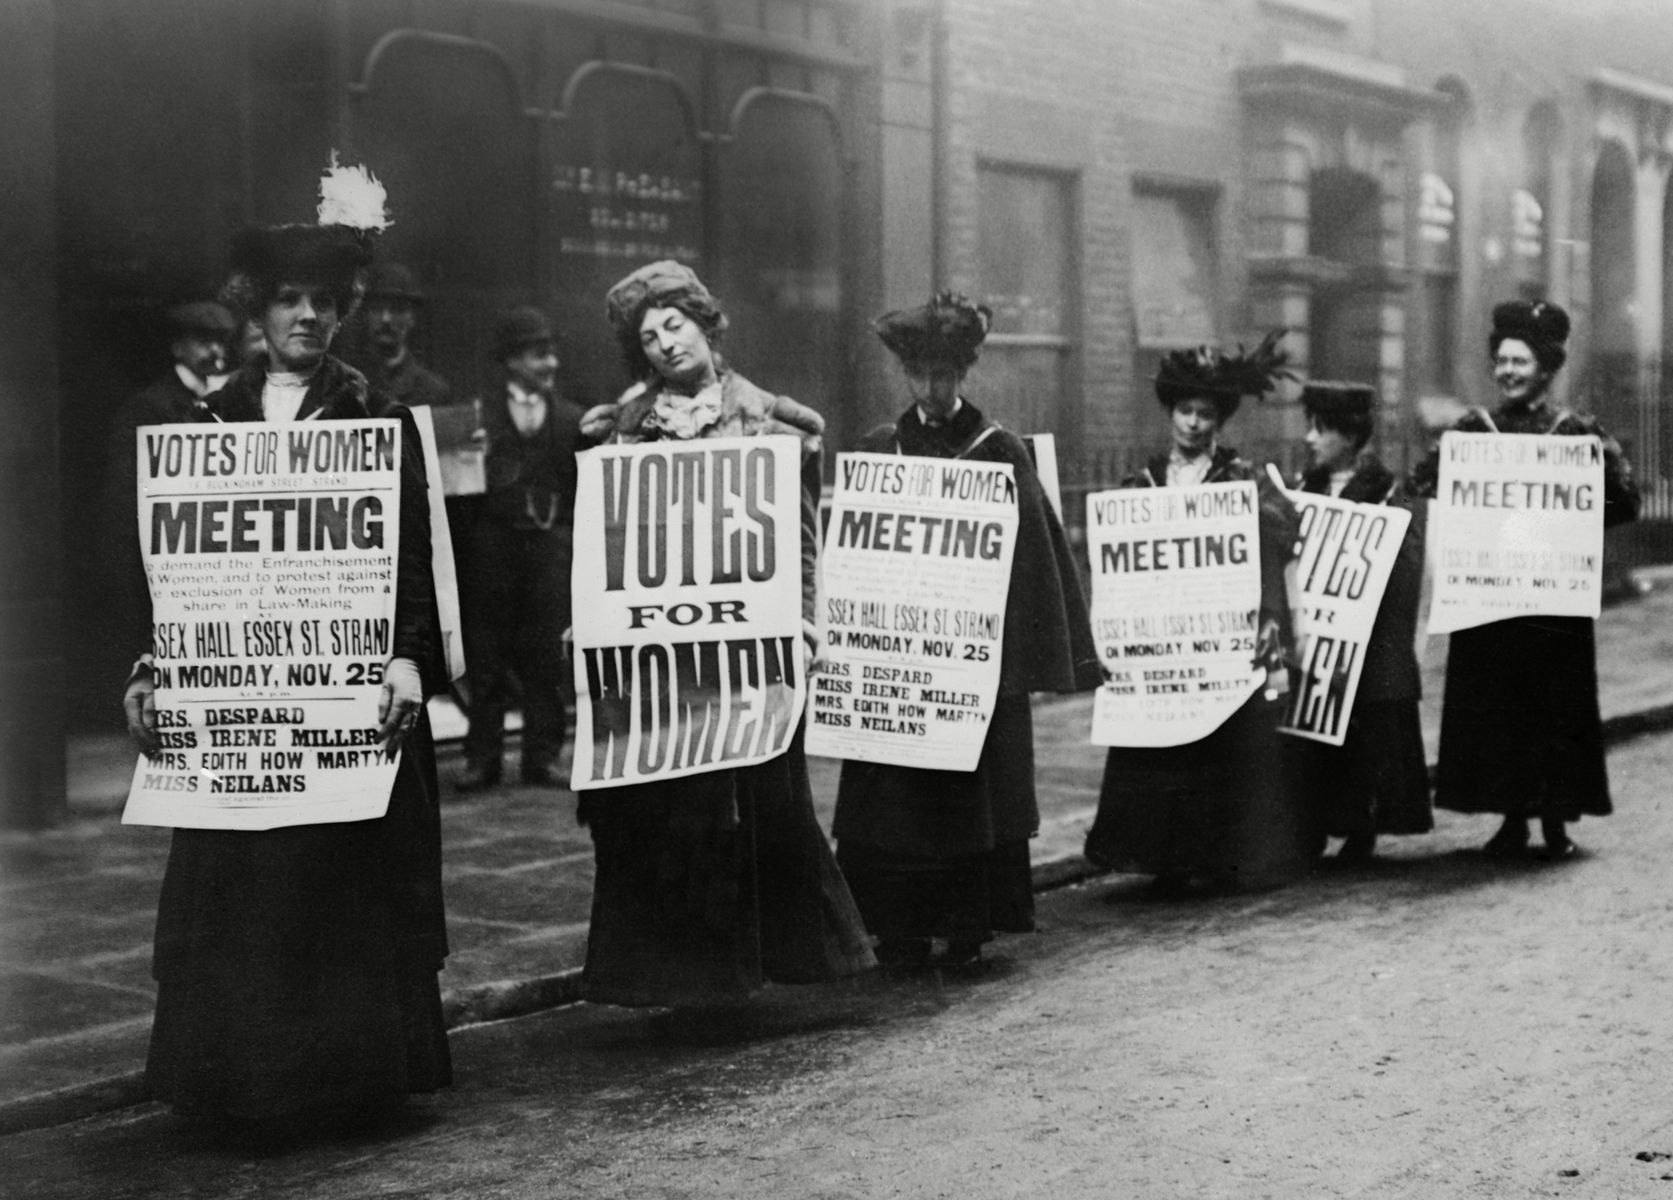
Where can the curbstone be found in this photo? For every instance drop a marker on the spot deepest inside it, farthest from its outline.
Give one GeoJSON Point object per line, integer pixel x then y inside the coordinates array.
{"type": "Point", "coordinates": [501, 1000]}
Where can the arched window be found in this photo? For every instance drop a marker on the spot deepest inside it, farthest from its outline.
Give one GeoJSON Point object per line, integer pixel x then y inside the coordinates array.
{"type": "Point", "coordinates": [442, 124]}
{"type": "Point", "coordinates": [1433, 343]}
{"type": "Point", "coordinates": [780, 274]}
{"type": "Point", "coordinates": [1611, 377]}
{"type": "Point", "coordinates": [626, 189]}
{"type": "Point", "coordinates": [1345, 229]}
{"type": "Point", "coordinates": [1531, 237]}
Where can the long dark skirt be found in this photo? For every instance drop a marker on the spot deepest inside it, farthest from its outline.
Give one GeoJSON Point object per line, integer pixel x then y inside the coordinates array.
{"type": "Point", "coordinates": [1377, 781]}
{"type": "Point", "coordinates": [296, 968]}
{"type": "Point", "coordinates": [944, 854]}
{"type": "Point", "coordinates": [962, 898]}
{"type": "Point", "coordinates": [708, 886]}
{"type": "Point", "coordinates": [1520, 729]}
{"type": "Point", "coordinates": [1222, 808]}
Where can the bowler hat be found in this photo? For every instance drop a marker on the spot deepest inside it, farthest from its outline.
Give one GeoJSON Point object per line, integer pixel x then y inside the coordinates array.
{"type": "Point", "coordinates": [518, 328]}
{"type": "Point", "coordinates": [203, 317]}
{"type": "Point", "coordinates": [394, 281]}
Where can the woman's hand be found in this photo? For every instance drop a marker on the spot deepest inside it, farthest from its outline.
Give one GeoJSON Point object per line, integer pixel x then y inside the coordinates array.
{"type": "Point", "coordinates": [1269, 653]}
{"type": "Point", "coordinates": [139, 704]}
{"type": "Point", "coordinates": [599, 422]}
{"type": "Point", "coordinates": [401, 704]}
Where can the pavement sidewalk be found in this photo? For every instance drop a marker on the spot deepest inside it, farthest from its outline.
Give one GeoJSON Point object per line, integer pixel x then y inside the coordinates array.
{"type": "Point", "coordinates": [77, 904]}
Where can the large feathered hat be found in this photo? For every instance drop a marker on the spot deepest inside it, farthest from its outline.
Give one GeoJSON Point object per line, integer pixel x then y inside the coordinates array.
{"type": "Point", "coordinates": [1223, 377]}
{"type": "Point", "coordinates": [946, 332]}
{"type": "Point", "coordinates": [335, 251]}
{"type": "Point", "coordinates": [1539, 323]}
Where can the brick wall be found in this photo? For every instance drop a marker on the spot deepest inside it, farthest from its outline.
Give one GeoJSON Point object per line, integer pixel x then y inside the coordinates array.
{"type": "Point", "coordinates": [1115, 92]}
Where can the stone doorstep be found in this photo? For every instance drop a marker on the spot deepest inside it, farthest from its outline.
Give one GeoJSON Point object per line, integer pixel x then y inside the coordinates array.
{"type": "Point", "coordinates": [504, 999]}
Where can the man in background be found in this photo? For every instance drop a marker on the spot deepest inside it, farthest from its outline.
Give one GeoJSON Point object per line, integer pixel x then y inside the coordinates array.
{"type": "Point", "coordinates": [201, 335]}
{"type": "Point", "coordinates": [393, 298]}
{"type": "Point", "coordinates": [200, 340]}
{"type": "Point", "coordinates": [515, 556]}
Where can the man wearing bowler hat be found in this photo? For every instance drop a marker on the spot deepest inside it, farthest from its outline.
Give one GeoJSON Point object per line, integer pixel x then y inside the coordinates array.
{"type": "Point", "coordinates": [517, 549]}
{"type": "Point", "coordinates": [393, 298]}
{"type": "Point", "coordinates": [200, 335]}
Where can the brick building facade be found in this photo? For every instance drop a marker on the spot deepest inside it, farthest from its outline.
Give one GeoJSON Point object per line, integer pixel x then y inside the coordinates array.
{"type": "Point", "coordinates": [1371, 174]}
{"type": "Point", "coordinates": [1116, 178]}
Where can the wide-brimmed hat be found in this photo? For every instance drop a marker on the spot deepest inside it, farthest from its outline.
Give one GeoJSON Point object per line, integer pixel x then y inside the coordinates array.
{"type": "Point", "coordinates": [946, 332]}
{"type": "Point", "coordinates": [334, 251]}
{"type": "Point", "coordinates": [1223, 377]}
{"type": "Point", "coordinates": [1539, 323]}
{"type": "Point", "coordinates": [518, 328]}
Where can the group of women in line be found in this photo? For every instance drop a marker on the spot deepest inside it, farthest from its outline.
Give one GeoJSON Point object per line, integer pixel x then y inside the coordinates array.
{"type": "Point", "coordinates": [297, 968]}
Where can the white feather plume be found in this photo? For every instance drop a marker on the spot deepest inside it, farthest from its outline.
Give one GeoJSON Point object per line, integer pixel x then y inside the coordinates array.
{"type": "Point", "coordinates": [352, 196]}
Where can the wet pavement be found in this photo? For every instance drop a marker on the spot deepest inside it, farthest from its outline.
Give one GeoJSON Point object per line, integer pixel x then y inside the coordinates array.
{"type": "Point", "coordinates": [77, 903]}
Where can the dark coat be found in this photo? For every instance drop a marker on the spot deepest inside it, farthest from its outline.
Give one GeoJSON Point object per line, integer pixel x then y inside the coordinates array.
{"type": "Point", "coordinates": [166, 401]}
{"type": "Point", "coordinates": [1377, 781]}
{"type": "Point", "coordinates": [1223, 806]}
{"type": "Point", "coordinates": [296, 967]}
{"type": "Point", "coordinates": [1391, 670]}
{"type": "Point", "coordinates": [1521, 733]}
{"type": "Point", "coordinates": [411, 383]}
{"type": "Point", "coordinates": [515, 551]}
{"type": "Point", "coordinates": [944, 853]}
{"type": "Point", "coordinates": [708, 885]}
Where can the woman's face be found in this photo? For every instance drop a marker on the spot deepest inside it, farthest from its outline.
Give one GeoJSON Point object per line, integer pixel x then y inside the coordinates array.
{"type": "Point", "coordinates": [298, 325]}
{"type": "Point", "coordinates": [934, 388]}
{"type": "Point", "coordinates": [677, 348]}
{"type": "Point", "coordinates": [1520, 378]}
{"type": "Point", "coordinates": [1195, 422]}
{"type": "Point", "coordinates": [1328, 448]}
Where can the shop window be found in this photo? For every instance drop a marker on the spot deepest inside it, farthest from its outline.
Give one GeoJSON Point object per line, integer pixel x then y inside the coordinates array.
{"type": "Point", "coordinates": [1026, 236]}
{"type": "Point", "coordinates": [625, 188]}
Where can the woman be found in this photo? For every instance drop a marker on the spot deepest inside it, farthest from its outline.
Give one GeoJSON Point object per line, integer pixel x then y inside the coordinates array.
{"type": "Point", "coordinates": [1377, 781]}
{"type": "Point", "coordinates": [296, 967]}
{"type": "Point", "coordinates": [1520, 730]}
{"type": "Point", "coordinates": [1218, 808]}
{"type": "Point", "coordinates": [709, 885]}
{"type": "Point", "coordinates": [944, 854]}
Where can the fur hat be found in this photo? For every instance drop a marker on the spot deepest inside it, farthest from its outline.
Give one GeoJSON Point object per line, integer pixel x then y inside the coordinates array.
{"type": "Point", "coordinates": [1539, 323]}
{"type": "Point", "coordinates": [1212, 374]}
{"type": "Point", "coordinates": [518, 328]}
{"type": "Point", "coordinates": [664, 284]}
{"type": "Point", "coordinates": [1332, 398]}
{"type": "Point", "coordinates": [201, 317]}
{"type": "Point", "coordinates": [946, 332]}
{"type": "Point", "coordinates": [394, 281]}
